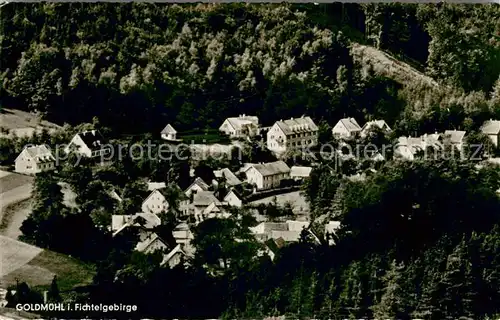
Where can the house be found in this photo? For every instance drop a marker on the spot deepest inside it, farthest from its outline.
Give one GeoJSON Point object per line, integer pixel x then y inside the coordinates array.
{"type": "Point", "coordinates": [197, 185]}
{"type": "Point", "coordinates": [183, 236]}
{"type": "Point", "coordinates": [346, 128]}
{"type": "Point", "coordinates": [233, 199]}
{"type": "Point", "coordinates": [381, 124]}
{"type": "Point", "coordinates": [147, 221]}
{"type": "Point", "coordinates": [229, 177]}
{"type": "Point", "coordinates": [35, 159]}
{"type": "Point", "coordinates": [174, 257]}
{"type": "Point", "coordinates": [267, 175]}
{"type": "Point", "coordinates": [169, 133]}
{"type": "Point", "coordinates": [214, 210]}
{"type": "Point", "coordinates": [89, 144]}
{"type": "Point", "coordinates": [201, 200]}
{"type": "Point", "coordinates": [151, 244]}
{"type": "Point", "coordinates": [457, 138]}
{"type": "Point", "coordinates": [300, 173]}
{"type": "Point", "coordinates": [156, 202]}
{"type": "Point", "coordinates": [292, 134]}
{"type": "Point", "coordinates": [242, 126]}
{"type": "Point", "coordinates": [288, 231]}
{"type": "Point", "coordinates": [408, 147]}
{"type": "Point", "coordinates": [491, 128]}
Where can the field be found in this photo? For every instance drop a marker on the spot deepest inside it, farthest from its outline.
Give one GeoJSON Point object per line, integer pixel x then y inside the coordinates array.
{"type": "Point", "coordinates": [37, 267]}
{"type": "Point", "coordinates": [22, 123]}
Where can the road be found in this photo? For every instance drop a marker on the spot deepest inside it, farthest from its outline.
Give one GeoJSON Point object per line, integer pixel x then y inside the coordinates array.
{"type": "Point", "coordinates": [14, 190]}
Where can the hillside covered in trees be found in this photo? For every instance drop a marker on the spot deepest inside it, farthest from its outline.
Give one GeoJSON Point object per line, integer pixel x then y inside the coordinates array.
{"type": "Point", "coordinates": [138, 66]}
{"type": "Point", "coordinates": [418, 239]}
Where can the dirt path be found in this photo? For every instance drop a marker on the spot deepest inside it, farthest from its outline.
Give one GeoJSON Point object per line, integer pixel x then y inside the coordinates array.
{"type": "Point", "coordinates": [15, 190]}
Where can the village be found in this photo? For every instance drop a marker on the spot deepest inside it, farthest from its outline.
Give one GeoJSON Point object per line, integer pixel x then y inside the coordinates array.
{"type": "Point", "coordinates": [253, 184]}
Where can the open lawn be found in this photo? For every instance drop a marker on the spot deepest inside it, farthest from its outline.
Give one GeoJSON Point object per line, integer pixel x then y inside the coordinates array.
{"type": "Point", "coordinates": [23, 123]}
{"type": "Point", "coordinates": [37, 267]}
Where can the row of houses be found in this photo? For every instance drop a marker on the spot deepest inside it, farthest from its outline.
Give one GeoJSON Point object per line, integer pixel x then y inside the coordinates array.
{"type": "Point", "coordinates": [38, 158]}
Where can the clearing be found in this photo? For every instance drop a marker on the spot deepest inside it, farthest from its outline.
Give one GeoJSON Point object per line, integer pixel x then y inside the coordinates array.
{"type": "Point", "coordinates": [22, 123]}
{"type": "Point", "coordinates": [386, 65]}
{"type": "Point", "coordinates": [297, 201]}
{"type": "Point", "coordinates": [37, 267]}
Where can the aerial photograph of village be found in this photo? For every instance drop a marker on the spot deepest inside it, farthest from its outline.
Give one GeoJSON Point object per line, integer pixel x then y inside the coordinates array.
{"type": "Point", "coordinates": [250, 161]}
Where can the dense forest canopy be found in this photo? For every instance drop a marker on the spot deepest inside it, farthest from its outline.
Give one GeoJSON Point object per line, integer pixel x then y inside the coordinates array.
{"type": "Point", "coordinates": [138, 66]}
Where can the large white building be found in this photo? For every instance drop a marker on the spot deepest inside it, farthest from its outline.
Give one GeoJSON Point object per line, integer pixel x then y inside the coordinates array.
{"type": "Point", "coordinates": [35, 159]}
{"type": "Point", "coordinates": [290, 134]}
{"type": "Point", "coordinates": [242, 126]}
{"type": "Point", "coordinates": [267, 175]}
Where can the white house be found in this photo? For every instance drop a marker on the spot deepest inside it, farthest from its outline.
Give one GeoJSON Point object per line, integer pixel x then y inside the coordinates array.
{"type": "Point", "coordinates": [346, 128]}
{"type": "Point", "coordinates": [408, 147]}
{"type": "Point", "coordinates": [35, 159]}
{"type": "Point", "coordinates": [151, 244]}
{"type": "Point", "coordinates": [89, 144]}
{"type": "Point", "coordinates": [155, 203]}
{"type": "Point", "coordinates": [267, 175]}
{"type": "Point", "coordinates": [242, 126]}
{"type": "Point", "coordinates": [169, 133]}
{"type": "Point", "coordinates": [197, 185]}
{"type": "Point", "coordinates": [457, 138]}
{"type": "Point", "coordinates": [292, 134]}
{"type": "Point", "coordinates": [491, 128]}
{"type": "Point", "coordinates": [201, 200]}
{"type": "Point", "coordinates": [233, 199]}
{"type": "Point", "coordinates": [300, 173]}
{"type": "Point", "coordinates": [381, 124]}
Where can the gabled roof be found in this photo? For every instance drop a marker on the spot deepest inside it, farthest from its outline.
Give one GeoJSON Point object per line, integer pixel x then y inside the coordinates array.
{"type": "Point", "coordinates": [156, 185]}
{"type": "Point", "coordinates": [121, 222]}
{"type": "Point", "coordinates": [294, 225]}
{"type": "Point", "coordinates": [168, 129]}
{"type": "Point", "coordinates": [171, 254]}
{"type": "Point", "coordinates": [455, 136]}
{"type": "Point", "coordinates": [297, 125]}
{"type": "Point", "coordinates": [213, 208]}
{"type": "Point", "coordinates": [146, 246]}
{"type": "Point", "coordinates": [243, 120]}
{"type": "Point", "coordinates": [228, 175]}
{"type": "Point", "coordinates": [491, 127]}
{"type": "Point", "coordinates": [297, 171]}
{"type": "Point", "coordinates": [379, 123]}
{"type": "Point", "coordinates": [350, 124]}
{"type": "Point", "coordinates": [93, 139]}
{"type": "Point", "coordinates": [233, 191]}
{"type": "Point", "coordinates": [266, 227]}
{"type": "Point", "coordinates": [271, 168]}
{"type": "Point", "coordinates": [155, 191]}
{"type": "Point", "coordinates": [39, 153]}
{"type": "Point", "coordinates": [287, 236]}
{"type": "Point", "coordinates": [198, 181]}
{"type": "Point", "coordinates": [204, 198]}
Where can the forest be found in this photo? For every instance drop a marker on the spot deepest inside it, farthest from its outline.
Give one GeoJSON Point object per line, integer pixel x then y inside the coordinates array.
{"type": "Point", "coordinates": [140, 66]}
{"type": "Point", "coordinates": [419, 240]}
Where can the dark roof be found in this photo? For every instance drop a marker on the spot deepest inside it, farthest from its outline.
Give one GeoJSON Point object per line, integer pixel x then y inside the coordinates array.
{"type": "Point", "coordinates": [93, 139]}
